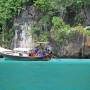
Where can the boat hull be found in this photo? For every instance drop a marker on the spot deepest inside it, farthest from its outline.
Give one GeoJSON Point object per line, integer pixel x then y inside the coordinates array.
{"type": "Point", "coordinates": [21, 58]}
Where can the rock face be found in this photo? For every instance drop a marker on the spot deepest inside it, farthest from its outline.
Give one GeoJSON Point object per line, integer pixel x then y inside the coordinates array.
{"type": "Point", "coordinates": [22, 29]}
{"type": "Point", "coordinates": [87, 47]}
{"type": "Point", "coordinates": [88, 15]}
{"type": "Point", "coordinates": [79, 47]}
{"type": "Point", "coordinates": [68, 48]}
{"type": "Point", "coordinates": [23, 37]}
{"type": "Point", "coordinates": [23, 23]}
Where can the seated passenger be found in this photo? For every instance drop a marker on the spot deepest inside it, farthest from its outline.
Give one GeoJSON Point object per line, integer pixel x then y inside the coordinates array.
{"type": "Point", "coordinates": [36, 49]}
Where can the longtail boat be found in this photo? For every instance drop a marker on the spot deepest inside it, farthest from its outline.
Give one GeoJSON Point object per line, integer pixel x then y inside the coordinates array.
{"type": "Point", "coordinates": [23, 57]}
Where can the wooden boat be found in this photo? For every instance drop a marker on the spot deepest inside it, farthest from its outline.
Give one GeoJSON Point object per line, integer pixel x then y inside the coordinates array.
{"type": "Point", "coordinates": [24, 58]}
{"type": "Point", "coordinates": [18, 54]}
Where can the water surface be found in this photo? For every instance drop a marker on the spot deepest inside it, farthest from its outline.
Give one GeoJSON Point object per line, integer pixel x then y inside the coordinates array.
{"type": "Point", "coordinates": [61, 74]}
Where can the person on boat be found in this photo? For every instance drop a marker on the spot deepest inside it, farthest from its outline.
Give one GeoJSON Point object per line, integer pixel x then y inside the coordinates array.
{"type": "Point", "coordinates": [36, 49]}
{"type": "Point", "coordinates": [48, 51]}
{"type": "Point", "coordinates": [39, 52]}
{"type": "Point", "coordinates": [49, 48]}
{"type": "Point", "coordinates": [34, 53]}
{"type": "Point", "coordinates": [31, 53]}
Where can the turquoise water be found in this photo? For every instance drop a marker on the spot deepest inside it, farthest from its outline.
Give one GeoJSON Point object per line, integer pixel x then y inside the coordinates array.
{"type": "Point", "coordinates": [62, 74]}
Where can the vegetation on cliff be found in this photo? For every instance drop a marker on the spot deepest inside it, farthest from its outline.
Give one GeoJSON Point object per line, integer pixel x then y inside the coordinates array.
{"type": "Point", "coordinates": [58, 20]}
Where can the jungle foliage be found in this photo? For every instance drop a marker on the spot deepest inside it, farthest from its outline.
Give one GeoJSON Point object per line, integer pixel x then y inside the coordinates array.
{"type": "Point", "coordinates": [49, 22]}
